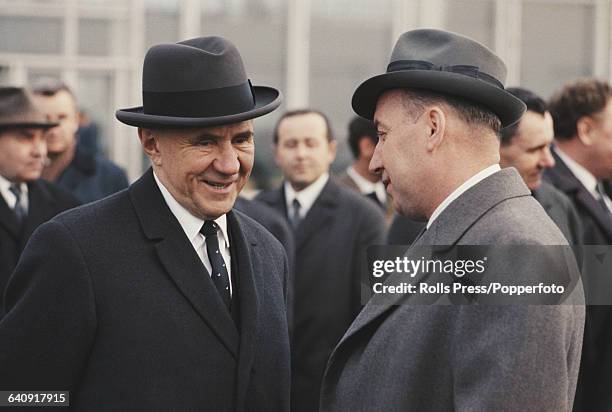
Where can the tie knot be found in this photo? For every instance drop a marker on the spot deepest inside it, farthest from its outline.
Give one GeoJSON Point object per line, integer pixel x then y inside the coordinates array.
{"type": "Point", "coordinates": [209, 228]}
{"type": "Point", "coordinates": [296, 203]}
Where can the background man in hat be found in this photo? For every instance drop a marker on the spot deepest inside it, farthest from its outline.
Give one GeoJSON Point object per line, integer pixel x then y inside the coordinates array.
{"type": "Point", "coordinates": [582, 113]}
{"type": "Point", "coordinates": [333, 226]}
{"type": "Point", "coordinates": [161, 297]}
{"type": "Point", "coordinates": [439, 109]}
{"type": "Point", "coordinates": [25, 201]}
{"type": "Point", "coordinates": [88, 176]}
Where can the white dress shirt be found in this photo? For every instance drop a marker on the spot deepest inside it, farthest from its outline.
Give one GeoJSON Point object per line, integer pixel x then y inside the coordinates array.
{"type": "Point", "coordinates": [306, 196]}
{"type": "Point", "coordinates": [584, 176]}
{"type": "Point", "coordinates": [191, 226]}
{"type": "Point", "coordinates": [483, 174]}
{"type": "Point", "coordinates": [366, 187]}
{"type": "Point", "coordinates": [9, 197]}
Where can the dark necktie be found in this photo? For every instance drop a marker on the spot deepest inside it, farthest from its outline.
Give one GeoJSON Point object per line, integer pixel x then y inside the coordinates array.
{"type": "Point", "coordinates": [18, 209]}
{"type": "Point", "coordinates": [219, 273]}
{"type": "Point", "coordinates": [295, 214]}
{"type": "Point", "coordinates": [602, 197]}
{"type": "Point", "coordinates": [372, 195]}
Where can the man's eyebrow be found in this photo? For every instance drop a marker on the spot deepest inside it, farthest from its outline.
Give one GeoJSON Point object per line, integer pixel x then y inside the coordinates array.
{"type": "Point", "coordinates": [378, 123]}
{"type": "Point", "coordinates": [246, 134]}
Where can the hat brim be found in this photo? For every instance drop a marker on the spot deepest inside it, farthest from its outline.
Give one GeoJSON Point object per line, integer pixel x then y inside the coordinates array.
{"type": "Point", "coordinates": [267, 99]}
{"type": "Point", "coordinates": [508, 107]}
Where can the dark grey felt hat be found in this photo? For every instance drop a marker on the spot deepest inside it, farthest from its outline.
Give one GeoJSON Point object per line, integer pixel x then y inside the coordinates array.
{"type": "Point", "coordinates": [197, 83]}
{"type": "Point", "coordinates": [17, 110]}
{"type": "Point", "coordinates": [443, 62]}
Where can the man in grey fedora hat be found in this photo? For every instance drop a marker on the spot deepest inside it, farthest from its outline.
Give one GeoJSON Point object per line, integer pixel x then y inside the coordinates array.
{"type": "Point", "coordinates": [438, 110]}
{"type": "Point", "coordinates": [26, 201]}
{"type": "Point", "coordinates": [161, 297]}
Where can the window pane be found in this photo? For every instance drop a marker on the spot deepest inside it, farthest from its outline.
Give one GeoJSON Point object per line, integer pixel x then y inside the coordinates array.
{"type": "Point", "coordinates": [350, 42]}
{"type": "Point", "coordinates": [557, 44]}
{"type": "Point", "coordinates": [20, 34]}
{"type": "Point", "coordinates": [472, 18]}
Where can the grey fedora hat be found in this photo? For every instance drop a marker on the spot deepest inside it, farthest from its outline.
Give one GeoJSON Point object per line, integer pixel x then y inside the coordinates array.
{"type": "Point", "coordinates": [17, 110]}
{"type": "Point", "coordinates": [447, 63]}
{"type": "Point", "coordinates": [197, 83]}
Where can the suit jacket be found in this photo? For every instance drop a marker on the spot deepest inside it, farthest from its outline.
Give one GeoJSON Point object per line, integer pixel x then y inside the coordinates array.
{"type": "Point", "coordinates": [345, 180]}
{"type": "Point", "coordinates": [45, 200]}
{"type": "Point", "coordinates": [593, 392]}
{"type": "Point", "coordinates": [330, 255]}
{"type": "Point", "coordinates": [111, 302]}
{"type": "Point", "coordinates": [91, 177]}
{"type": "Point", "coordinates": [402, 357]}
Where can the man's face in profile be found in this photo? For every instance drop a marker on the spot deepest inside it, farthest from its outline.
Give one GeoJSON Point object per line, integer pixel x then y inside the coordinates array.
{"type": "Point", "coordinates": [203, 168]}
{"type": "Point", "coordinates": [22, 154]}
{"type": "Point", "coordinates": [303, 151]}
{"type": "Point", "coordinates": [400, 154]}
{"type": "Point", "coordinates": [529, 149]}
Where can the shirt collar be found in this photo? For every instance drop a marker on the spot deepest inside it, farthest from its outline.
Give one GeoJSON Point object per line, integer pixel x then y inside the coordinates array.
{"type": "Point", "coordinates": [365, 186]}
{"type": "Point", "coordinates": [306, 196]}
{"type": "Point", "coordinates": [9, 196]}
{"type": "Point", "coordinates": [472, 181]}
{"type": "Point", "coordinates": [580, 172]}
{"type": "Point", "coordinates": [191, 224]}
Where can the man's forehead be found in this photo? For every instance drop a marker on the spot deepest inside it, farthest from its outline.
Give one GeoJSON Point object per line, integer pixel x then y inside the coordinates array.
{"type": "Point", "coordinates": [220, 130]}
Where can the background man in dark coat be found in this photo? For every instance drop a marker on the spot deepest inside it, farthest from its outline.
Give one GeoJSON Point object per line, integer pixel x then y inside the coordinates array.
{"type": "Point", "coordinates": [87, 175]}
{"type": "Point", "coordinates": [25, 201]}
{"type": "Point", "coordinates": [582, 114]}
{"type": "Point", "coordinates": [161, 297]}
{"type": "Point", "coordinates": [525, 146]}
{"type": "Point", "coordinates": [438, 110]}
{"type": "Point", "coordinates": [333, 227]}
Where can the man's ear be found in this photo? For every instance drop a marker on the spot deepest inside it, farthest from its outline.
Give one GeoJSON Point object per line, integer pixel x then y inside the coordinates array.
{"type": "Point", "coordinates": [150, 145]}
{"type": "Point", "coordinates": [435, 122]}
{"type": "Point", "coordinates": [585, 127]}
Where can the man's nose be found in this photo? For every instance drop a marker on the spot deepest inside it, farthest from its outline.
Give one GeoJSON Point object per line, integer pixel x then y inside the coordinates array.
{"type": "Point", "coordinates": [547, 160]}
{"type": "Point", "coordinates": [39, 147]}
{"type": "Point", "coordinates": [227, 160]}
{"type": "Point", "coordinates": [376, 165]}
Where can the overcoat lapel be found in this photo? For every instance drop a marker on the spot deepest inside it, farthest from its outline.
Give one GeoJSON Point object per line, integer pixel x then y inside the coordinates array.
{"type": "Point", "coordinates": [444, 232]}
{"type": "Point", "coordinates": [180, 260]}
{"type": "Point", "coordinates": [249, 273]}
{"type": "Point", "coordinates": [565, 181]}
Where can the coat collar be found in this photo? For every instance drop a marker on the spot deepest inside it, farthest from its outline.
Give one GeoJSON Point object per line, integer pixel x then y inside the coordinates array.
{"type": "Point", "coordinates": [562, 178]}
{"type": "Point", "coordinates": [445, 232]}
{"type": "Point", "coordinates": [188, 273]}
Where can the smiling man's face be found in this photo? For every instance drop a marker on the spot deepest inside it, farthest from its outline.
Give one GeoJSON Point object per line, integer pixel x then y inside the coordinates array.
{"type": "Point", "coordinates": [205, 168]}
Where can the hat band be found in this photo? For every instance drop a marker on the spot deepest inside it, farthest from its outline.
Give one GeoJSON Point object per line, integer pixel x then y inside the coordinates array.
{"type": "Point", "coordinates": [222, 101]}
{"type": "Point", "coordinates": [465, 70]}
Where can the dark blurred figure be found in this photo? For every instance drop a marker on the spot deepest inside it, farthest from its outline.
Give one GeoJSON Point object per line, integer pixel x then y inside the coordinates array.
{"type": "Point", "coordinates": [526, 146]}
{"type": "Point", "coordinates": [582, 115]}
{"type": "Point", "coordinates": [362, 140]}
{"type": "Point", "coordinates": [88, 176]}
{"type": "Point", "coordinates": [333, 226]}
{"type": "Point", "coordinates": [88, 138]}
{"type": "Point", "coordinates": [26, 201]}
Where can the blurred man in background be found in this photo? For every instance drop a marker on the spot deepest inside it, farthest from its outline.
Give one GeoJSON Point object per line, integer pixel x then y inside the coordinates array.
{"type": "Point", "coordinates": [362, 140]}
{"type": "Point", "coordinates": [87, 175]}
{"type": "Point", "coordinates": [582, 115]}
{"type": "Point", "coordinates": [26, 201]}
{"type": "Point", "coordinates": [525, 145]}
{"type": "Point", "coordinates": [333, 227]}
